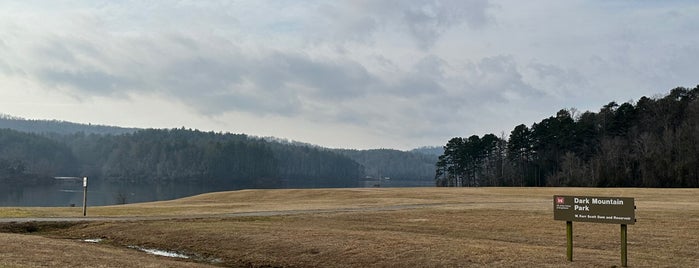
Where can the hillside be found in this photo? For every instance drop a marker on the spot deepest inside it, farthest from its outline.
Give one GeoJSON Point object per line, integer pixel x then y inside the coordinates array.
{"type": "Point", "coordinates": [394, 164]}
{"type": "Point", "coordinates": [55, 148]}
{"type": "Point", "coordinates": [26, 157]}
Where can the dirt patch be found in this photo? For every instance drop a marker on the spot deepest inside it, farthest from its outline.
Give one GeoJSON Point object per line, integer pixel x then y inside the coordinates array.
{"type": "Point", "coordinates": [34, 227]}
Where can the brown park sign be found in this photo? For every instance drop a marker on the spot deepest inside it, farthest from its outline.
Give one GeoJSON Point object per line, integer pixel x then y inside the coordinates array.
{"type": "Point", "coordinates": [616, 210]}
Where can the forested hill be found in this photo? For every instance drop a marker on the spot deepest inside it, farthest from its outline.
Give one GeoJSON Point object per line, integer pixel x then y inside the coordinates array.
{"type": "Point", "coordinates": [27, 157]}
{"type": "Point", "coordinates": [57, 127]}
{"type": "Point", "coordinates": [152, 155]}
{"type": "Point", "coordinates": [174, 155]}
{"type": "Point", "coordinates": [394, 164]}
{"type": "Point", "coordinates": [651, 143]}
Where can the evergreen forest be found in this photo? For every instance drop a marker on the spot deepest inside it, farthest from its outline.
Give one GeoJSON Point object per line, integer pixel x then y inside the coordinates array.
{"type": "Point", "coordinates": [651, 143]}
{"type": "Point", "coordinates": [33, 151]}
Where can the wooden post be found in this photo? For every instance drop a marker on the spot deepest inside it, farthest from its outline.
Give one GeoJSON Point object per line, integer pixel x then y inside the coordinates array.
{"type": "Point", "coordinates": [84, 196]}
{"type": "Point", "coordinates": [623, 246]}
{"type": "Point", "coordinates": [569, 238]}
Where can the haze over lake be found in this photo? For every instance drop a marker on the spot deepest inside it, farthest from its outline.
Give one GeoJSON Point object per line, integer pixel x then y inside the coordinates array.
{"type": "Point", "coordinates": [65, 193]}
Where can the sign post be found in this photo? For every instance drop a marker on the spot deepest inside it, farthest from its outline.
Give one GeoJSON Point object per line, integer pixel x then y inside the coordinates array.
{"type": "Point", "coordinates": [84, 196]}
{"type": "Point", "coordinates": [569, 239]}
{"type": "Point", "coordinates": [614, 210]}
{"type": "Point", "coordinates": [623, 246]}
{"type": "Point", "coordinates": [84, 190]}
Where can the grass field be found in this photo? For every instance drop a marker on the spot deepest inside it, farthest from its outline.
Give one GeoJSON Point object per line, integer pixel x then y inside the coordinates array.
{"type": "Point", "coordinates": [403, 227]}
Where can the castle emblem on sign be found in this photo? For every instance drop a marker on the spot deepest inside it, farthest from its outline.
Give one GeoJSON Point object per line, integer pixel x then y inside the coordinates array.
{"type": "Point", "coordinates": [560, 200]}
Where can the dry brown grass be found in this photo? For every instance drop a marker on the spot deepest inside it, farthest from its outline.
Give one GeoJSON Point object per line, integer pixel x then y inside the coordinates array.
{"type": "Point", "coordinates": [493, 227]}
{"type": "Point", "coordinates": [34, 251]}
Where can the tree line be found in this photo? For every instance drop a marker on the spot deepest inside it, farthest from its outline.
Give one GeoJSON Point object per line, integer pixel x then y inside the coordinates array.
{"type": "Point", "coordinates": [155, 155]}
{"type": "Point", "coordinates": [57, 127]}
{"type": "Point", "coordinates": [57, 148]}
{"type": "Point", "coordinates": [31, 157]}
{"type": "Point", "coordinates": [652, 143]}
{"type": "Point", "coordinates": [394, 164]}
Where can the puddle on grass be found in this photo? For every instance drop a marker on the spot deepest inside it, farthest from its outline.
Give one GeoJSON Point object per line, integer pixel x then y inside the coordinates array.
{"type": "Point", "coordinates": [159, 252]}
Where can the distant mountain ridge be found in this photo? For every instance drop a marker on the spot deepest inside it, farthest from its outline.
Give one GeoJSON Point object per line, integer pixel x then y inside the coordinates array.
{"type": "Point", "coordinates": [58, 127]}
{"type": "Point", "coordinates": [429, 150]}
{"type": "Point", "coordinates": [394, 164]}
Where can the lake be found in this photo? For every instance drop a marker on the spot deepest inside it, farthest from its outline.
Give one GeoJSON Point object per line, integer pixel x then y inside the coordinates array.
{"type": "Point", "coordinates": [67, 193]}
{"type": "Point", "coordinates": [64, 193]}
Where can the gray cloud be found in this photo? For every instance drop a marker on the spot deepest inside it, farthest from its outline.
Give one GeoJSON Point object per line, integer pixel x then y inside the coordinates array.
{"type": "Point", "coordinates": [424, 20]}
{"type": "Point", "coordinates": [499, 79]}
{"type": "Point", "coordinates": [5, 67]}
{"type": "Point", "coordinates": [416, 86]}
{"type": "Point", "coordinates": [427, 20]}
{"type": "Point", "coordinates": [418, 70]}
{"type": "Point", "coordinates": [557, 80]}
{"type": "Point", "coordinates": [431, 65]}
{"type": "Point", "coordinates": [90, 82]}
{"type": "Point", "coordinates": [275, 82]}
{"type": "Point", "coordinates": [325, 79]}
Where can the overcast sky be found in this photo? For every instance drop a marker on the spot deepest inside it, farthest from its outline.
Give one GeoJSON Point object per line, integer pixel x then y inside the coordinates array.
{"type": "Point", "coordinates": [344, 74]}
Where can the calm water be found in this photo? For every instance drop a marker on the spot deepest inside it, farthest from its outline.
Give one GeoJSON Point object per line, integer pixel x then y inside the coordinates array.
{"type": "Point", "coordinates": [67, 193]}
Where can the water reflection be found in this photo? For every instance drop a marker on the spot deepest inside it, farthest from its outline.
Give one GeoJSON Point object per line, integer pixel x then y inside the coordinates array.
{"type": "Point", "coordinates": [67, 193]}
{"type": "Point", "coordinates": [64, 193]}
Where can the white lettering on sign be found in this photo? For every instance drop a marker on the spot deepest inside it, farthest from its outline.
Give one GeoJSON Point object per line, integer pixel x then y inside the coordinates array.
{"type": "Point", "coordinates": [581, 200]}
{"type": "Point", "coordinates": [594, 209]}
{"type": "Point", "coordinates": [617, 202]}
{"type": "Point", "coordinates": [582, 208]}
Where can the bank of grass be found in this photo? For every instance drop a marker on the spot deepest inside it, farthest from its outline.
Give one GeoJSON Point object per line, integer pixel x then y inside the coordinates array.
{"type": "Point", "coordinates": [295, 199]}
{"type": "Point", "coordinates": [269, 200]}
{"type": "Point", "coordinates": [15, 213]}
{"type": "Point", "coordinates": [457, 227]}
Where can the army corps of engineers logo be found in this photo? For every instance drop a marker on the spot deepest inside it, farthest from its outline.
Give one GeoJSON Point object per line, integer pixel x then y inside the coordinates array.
{"type": "Point", "coordinates": [561, 203]}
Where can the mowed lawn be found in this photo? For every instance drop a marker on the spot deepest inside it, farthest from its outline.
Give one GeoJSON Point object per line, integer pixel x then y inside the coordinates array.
{"type": "Point", "coordinates": [401, 227]}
